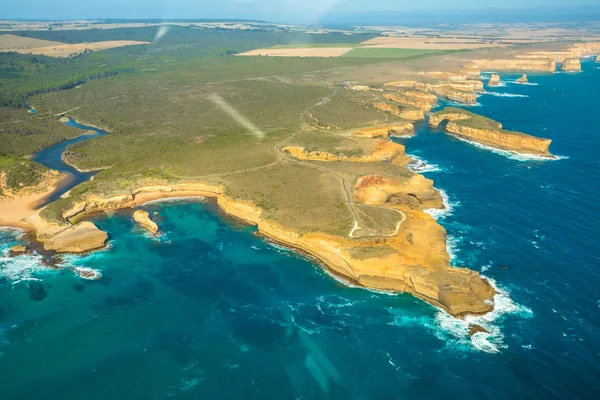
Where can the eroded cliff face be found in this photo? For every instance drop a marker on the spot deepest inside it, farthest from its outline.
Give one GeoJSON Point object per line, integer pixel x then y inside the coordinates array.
{"type": "Point", "coordinates": [143, 219]}
{"type": "Point", "coordinates": [384, 151]}
{"type": "Point", "coordinates": [417, 193]}
{"type": "Point", "coordinates": [67, 238]}
{"type": "Point", "coordinates": [384, 131]}
{"type": "Point", "coordinates": [516, 64]}
{"type": "Point", "coordinates": [413, 98]}
{"type": "Point", "coordinates": [461, 92]}
{"type": "Point", "coordinates": [494, 80]}
{"type": "Point", "coordinates": [571, 65]}
{"type": "Point", "coordinates": [436, 119]}
{"type": "Point", "coordinates": [522, 79]}
{"type": "Point", "coordinates": [413, 260]}
{"type": "Point", "coordinates": [403, 111]}
{"type": "Point", "coordinates": [504, 140]}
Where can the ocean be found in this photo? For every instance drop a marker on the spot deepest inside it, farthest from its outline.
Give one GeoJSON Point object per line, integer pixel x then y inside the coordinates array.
{"type": "Point", "coordinates": [210, 310]}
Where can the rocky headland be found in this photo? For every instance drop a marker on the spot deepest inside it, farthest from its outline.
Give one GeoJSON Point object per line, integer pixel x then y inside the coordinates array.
{"type": "Point", "coordinates": [143, 219]}
{"type": "Point", "coordinates": [571, 65]}
{"type": "Point", "coordinates": [385, 151]}
{"type": "Point", "coordinates": [516, 64]}
{"type": "Point", "coordinates": [405, 111]}
{"type": "Point", "coordinates": [470, 126]}
{"type": "Point", "coordinates": [522, 79]}
{"type": "Point", "coordinates": [494, 80]}
{"type": "Point", "coordinates": [413, 259]}
{"type": "Point", "coordinates": [385, 131]}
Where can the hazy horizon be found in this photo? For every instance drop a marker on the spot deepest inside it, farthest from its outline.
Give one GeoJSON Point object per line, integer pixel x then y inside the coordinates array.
{"type": "Point", "coordinates": [309, 11]}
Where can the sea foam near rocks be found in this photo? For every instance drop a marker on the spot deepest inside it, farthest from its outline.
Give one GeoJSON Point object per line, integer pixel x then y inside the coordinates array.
{"type": "Point", "coordinates": [511, 154]}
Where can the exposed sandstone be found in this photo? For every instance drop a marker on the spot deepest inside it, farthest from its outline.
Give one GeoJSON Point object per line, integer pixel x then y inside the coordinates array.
{"type": "Point", "coordinates": [516, 64]}
{"type": "Point", "coordinates": [18, 249]}
{"type": "Point", "coordinates": [143, 218]}
{"type": "Point", "coordinates": [473, 329]}
{"type": "Point", "coordinates": [494, 80]}
{"type": "Point", "coordinates": [557, 56]}
{"type": "Point", "coordinates": [421, 100]}
{"type": "Point", "coordinates": [571, 65]}
{"type": "Point", "coordinates": [384, 131]}
{"type": "Point", "coordinates": [522, 79]}
{"type": "Point", "coordinates": [597, 58]}
{"type": "Point", "coordinates": [417, 193]}
{"type": "Point", "coordinates": [384, 151]}
{"type": "Point", "coordinates": [460, 92]}
{"type": "Point", "coordinates": [410, 113]}
{"type": "Point", "coordinates": [473, 127]}
{"type": "Point", "coordinates": [79, 238]}
{"type": "Point", "coordinates": [416, 259]}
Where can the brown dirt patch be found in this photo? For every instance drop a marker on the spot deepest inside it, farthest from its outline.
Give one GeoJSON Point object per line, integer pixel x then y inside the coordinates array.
{"type": "Point", "coordinates": [300, 52]}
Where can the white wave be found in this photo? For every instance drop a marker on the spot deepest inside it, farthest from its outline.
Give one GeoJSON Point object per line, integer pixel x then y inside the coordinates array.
{"type": "Point", "coordinates": [524, 83]}
{"type": "Point", "coordinates": [21, 268]}
{"type": "Point", "coordinates": [421, 165]}
{"type": "Point", "coordinates": [511, 154]}
{"type": "Point", "coordinates": [444, 212]}
{"type": "Point", "coordinates": [497, 94]}
{"type": "Point", "coordinates": [452, 247]}
{"type": "Point", "coordinates": [491, 342]}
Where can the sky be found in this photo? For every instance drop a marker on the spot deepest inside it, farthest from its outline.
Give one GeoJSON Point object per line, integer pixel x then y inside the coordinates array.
{"type": "Point", "coordinates": [306, 11]}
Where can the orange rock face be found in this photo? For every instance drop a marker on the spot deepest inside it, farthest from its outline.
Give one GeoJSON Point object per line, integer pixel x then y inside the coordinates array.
{"type": "Point", "coordinates": [384, 131]}
{"type": "Point", "coordinates": [384, 151]}
{"type": "Point", "coordinates": [407, 112]}
{"type": "Point", "coordinates": [571, 65]}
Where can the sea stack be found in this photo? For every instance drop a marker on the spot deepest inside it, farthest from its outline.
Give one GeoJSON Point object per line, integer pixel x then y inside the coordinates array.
{"type": "Point", "coordinates": [571, 65]}
{"type": "Point", "coordinates": [494, 80]}
{"type": "Point", "coordinates": [143, 218]}
{"type": "Point", "coordinates": [598, 58]}
{"type": "Point", "coordinates": [522, 79]}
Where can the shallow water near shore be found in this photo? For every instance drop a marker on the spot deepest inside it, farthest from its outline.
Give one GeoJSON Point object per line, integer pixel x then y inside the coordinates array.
{"type": "Point", "coordinates": [210, 310]}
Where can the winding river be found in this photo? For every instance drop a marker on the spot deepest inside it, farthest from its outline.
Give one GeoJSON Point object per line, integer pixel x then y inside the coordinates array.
{"type": "Point", "coordinates": [51, 157]}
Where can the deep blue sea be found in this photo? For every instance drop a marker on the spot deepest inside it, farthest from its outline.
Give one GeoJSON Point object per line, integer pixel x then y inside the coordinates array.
{"type": "Point", "coordinates": [209, 310]}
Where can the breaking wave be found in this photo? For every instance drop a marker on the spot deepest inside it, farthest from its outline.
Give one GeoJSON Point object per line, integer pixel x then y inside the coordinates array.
{"type": "Point", "coordinates": [446, 211]}
{"type": "Point", "coordinates": [497, 94]}
{"type": "Point", "coordinates": [511, 154]}
{"type": "Point", "coordinates": [421, 165]}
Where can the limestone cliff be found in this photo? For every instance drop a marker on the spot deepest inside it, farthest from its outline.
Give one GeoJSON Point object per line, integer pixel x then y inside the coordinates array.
{"type": "Point", "coordinates": [494, 80]}
{"type": "Point", "coordinates": [522, 79]}
{"type": "Point", "coordinates": [597, 58]}
{"type": "Point", "coordinates": [571, 65]}
{"type": "Point", "coordinates": [410, 113]}
{"type": "Point", "coordinates": [461, 92]}
{"type": "Point", "coordinates": [143, 218]}
{"type": "Point", "coordinates": [384, 131]}
{"type": "Point", "coordinates": [516, 64]}
{"type": "Point", "coordinates": [417, 193]}
{"type": "Point", "coordinates": [384, 151]}
{"type": "Point", "coordinates": [412, 260]}
{"type": "Point", "coordinates": [421, 100]}
{"type": "Point", "coordinates": [78, 238]}
{"type": "Point", "coordinates": [473, 127]}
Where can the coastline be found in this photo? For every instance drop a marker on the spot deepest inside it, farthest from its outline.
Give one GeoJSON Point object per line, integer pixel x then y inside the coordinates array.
{"type": "Point", "coordinates": [14, 212]}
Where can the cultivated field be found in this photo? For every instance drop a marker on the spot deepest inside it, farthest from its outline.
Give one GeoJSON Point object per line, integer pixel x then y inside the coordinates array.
{"type": "Point", "coordinates": [66, 50]}
{"type": "Point", "coordinates": [15, 42]}
{"type": "Point", "coordinates": [300, 52]}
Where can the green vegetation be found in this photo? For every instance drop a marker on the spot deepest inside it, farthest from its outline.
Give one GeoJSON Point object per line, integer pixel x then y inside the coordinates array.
{"type": "Point", "coordinates": [476, 121]}
{"type": "Point", "coordinates": [22, 133]}
{"type": "Point", "coordinates": [156, 102]}
{"type": "Point", "coordinates": [19, 173]}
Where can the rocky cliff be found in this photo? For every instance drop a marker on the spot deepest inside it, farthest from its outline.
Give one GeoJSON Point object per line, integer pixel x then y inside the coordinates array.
{"type": "Point", "coordinates": [414, 259]}
{"type": "Point", "coordinates": [384, 131]}
{"type": "Point", "coordinates": [522, 79]}
{"type": "Point", "coordinates": [483, 130]}
{"type": "Point", "coordinates": [461, 92]}
{"type": "Point", "coordinates": [143, 219]}
{"type": "Point", "coordinates": [423, 101]}
{"type": "Point", "coordinates": [417, 193]}
{"type": "Point", "coordinates": [407, 112]}
{"type": "Point", "coordinates": [517, 64]}
{"type": "Point", "coordinates": [571, 65]}
{"type": "Point", "coordinates": [384, 151]}
{"type": "Point", "coordinates": [494, 80]}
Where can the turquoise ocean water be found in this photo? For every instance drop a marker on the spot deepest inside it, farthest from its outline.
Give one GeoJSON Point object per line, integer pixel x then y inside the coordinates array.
{"type": "Point", "coordinates": [210, 310]}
